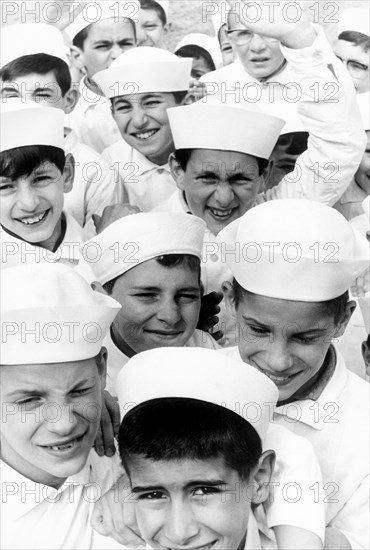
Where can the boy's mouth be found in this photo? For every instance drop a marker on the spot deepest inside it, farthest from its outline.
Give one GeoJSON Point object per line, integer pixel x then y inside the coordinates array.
{"type": "Point", "coordinates": [32, 220]}
{"type": "Point", "coordinates": [64, 447]}
{"type": "Point", "coordinates": [142, 136]}
{"type": "Point", "coordinates": [219, 214]}
{"type": "Point", "coordinates": [278, 380]}
{"type": "Point", "coordinates": [164, 333]}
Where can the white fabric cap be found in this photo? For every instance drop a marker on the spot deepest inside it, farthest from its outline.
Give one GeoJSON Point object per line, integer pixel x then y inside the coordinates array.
{"type": "Point", "coordinates": [30, 39]}
{"type": "Point", "coordinates": [197, 373]}
{"type": "Point", "coordinates": [103, 9]}
{"type": "Point", "coordinates": [288, 112]}
{"type": "Point", "coordinates": [355, 19]}
{"type": "Point", "coordinates": [213, 124]}
{"type": "Point", "coordinates": [363, 101]}
{"type": "Point", "coordinates": [145, 70]}
{"type": "Point", "coordinates": [50, 314]}
{"type": "Point", "coordinates": [25, 123]}
{"type": "Point", "coordinates": [208, 43]}
{"type": "Point", "coordinates": [142, 237]}
{"type": "Point", "coordinates": [294, 249]}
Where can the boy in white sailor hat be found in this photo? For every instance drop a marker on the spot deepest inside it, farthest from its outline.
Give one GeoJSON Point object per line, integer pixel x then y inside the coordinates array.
{"type": "Point", "coordinates": [150, 264]}
{"type": "Point", "coordinates": [293, 264]}
{"type": "Point", "coordinates": [353, 45]}
{"type": "Point", "coordinates": [35, 174]}
{"type": "Point", "coordinates": [53, 369]}
{"type": "Point", "coordinates": [34, 66]}
{"type": "Point", "coordinates": [99, 34]}
{"type": "Point", "coordinates": [204, 51]}
{"type": "Point", "coordinates": [141, 85]}
{"type": "Point", "coordinates": [152, 25]}
{"type": "Point", "coordinates": [166, 450]}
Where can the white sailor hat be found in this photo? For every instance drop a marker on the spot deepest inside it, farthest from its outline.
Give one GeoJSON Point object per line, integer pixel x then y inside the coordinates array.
{"type": "Point", "coordinates": [145, 70]}
{"type": "Point", "coordinates": [30, 39]}
{"type": "Point", "coordinates": [213, 124]}
{"type": "Point", "coordinates": [198, 373]}
{"type": "Point", "coordinates": [93, 12]}
{"type": "Point", "coordinates": [142, 237]}
{"type": "Point", "coordinates": [289, 113]}
{"type": "Point", "coordinates": [50, 314]}
{"type": "Point", "coordinates": [363, 101]}
{"type": "Point", "coordinates": [295, 249]}
{"type": "Point", "coordinates": [355, 19]}
{"type": "Point", "coordinates": [208, 43]}
{"type": "Point", "coordinates": [25, 123]}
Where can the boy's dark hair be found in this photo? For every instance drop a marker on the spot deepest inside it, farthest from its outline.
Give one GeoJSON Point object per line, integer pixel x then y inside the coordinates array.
{"type": "Point", "coordinates": [335, 307]}
{"type": "Point", "coordinates": [39, 63]}
{"type": "Point", "coordinates": [153, 5]}
{"type": "Point", "coordinates": [180, 428]}
{"type": "Point", "coordinates": [79, 39]}
{"type": "Point", "coordinates": [22, 161]}
{"type": "Point", "coordinates": [197, 52]}
{"type": "Point", "coordinates": [183, 156]}
{"type": "Point", "coordinates": [357, 38]}
{"type": "Point", "coordinates": [167, 260]}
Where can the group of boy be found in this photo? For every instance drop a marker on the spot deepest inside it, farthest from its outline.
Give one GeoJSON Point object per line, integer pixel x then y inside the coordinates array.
{"type": "Point", "coordinates": [169, 200]}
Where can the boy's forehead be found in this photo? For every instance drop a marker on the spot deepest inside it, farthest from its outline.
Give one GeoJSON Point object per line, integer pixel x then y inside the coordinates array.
{"type": "Point", "coordinates": [32, 80]}
{"type": "Point", "coordinates": [138, 98]}
{"type": "Point", "coordinates": [207, 159]}
{"type": "Point", "coordinates": [111, 28]}
{"type": "Point", "coordinates": [152, 273]}
{"type": "Point", "coordinates": [350, 51]}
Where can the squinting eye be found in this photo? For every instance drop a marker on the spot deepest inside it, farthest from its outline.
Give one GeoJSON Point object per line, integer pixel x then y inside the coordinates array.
{"type": "Point", "coordinates": [156, 495]}
{"type": "Point", "coordinates": [205, 491]}
{"type": "Point", "coordinates": [258, 330]}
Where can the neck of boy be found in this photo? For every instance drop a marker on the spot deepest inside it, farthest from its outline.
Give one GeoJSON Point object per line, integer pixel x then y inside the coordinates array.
{"type": "Point", "coordinates": [161, 159]}
{"type": "Point", "coordinates": [274, 73]}
{"type": "Point", "coordinates": [119, 342]}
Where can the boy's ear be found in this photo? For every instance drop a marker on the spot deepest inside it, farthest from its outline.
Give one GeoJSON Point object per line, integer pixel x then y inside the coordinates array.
{"type": "Point", "coordinates": [342, 325]}
{"type": "Point", "coordinates": [71, 98]}
{"type": "Point", "coordinates": [229, 296]}
{"type": "Point", "coordinates": [177, 172]}
{"type": "Point", "coordinates": [101, 363]}
{"type": "Point", "coordinates": [69, 173]}
{"type": "Point", "coordinates": [261, 477]}
{"type": "Point", "coordinates": [77, 58]}
{"type": "Point", "coordinates": [95, 285]}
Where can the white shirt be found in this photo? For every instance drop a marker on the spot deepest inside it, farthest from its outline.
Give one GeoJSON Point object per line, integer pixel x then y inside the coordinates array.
{"type": "Point", "coordinates": [94, 185]}
{"type": "Point", "coordinates": [337, 425]}
{"type": "Point", "coordinates": [92, 120]}
{"type": "Point", "coordinates": [37, 517]}
{"type": "Point", "coordinates": [146, 185]}
{"type": "Point", "coordinates": [350, 203]}
{"type": "Point", "coordinates": [14, 251]}
{"type": "Point", "coordinates": [233, 80]}
{"type": "Point", "coordinates": [117, 359]}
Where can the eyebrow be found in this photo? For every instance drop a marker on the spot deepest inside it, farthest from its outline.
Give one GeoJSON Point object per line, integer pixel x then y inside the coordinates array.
{"type": "Point", "coordinates": [157, 289]}
{"type": "Point", "coordinates": [192, 483]}
{"type": "Point", "coordinates": [35, 390]}
{"type": "Point", "coordinates": [308, 331]}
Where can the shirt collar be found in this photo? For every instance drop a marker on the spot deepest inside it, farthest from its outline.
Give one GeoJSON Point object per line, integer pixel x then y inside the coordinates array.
{"type": "Point", "coordinates": [145, 165]}
{"type": "Point", "coordinates": [88, 97]}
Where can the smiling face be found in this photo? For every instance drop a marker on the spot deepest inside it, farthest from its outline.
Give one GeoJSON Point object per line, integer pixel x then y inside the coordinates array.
{"type": "Point", "coordinates": [53, 416]}
{"type": "Point", "coordinates": [286, 340]}
{"type": "Point", "coordinates": [106, 40]}
{"type": "Point", "coordinates": [150, 30]}
{"type": "Point", "coordinates": [160, 305]}
{"type": "Point", "coordinates": [189, 503]}
{"type": "Point", "coordinates": [31, 205]}
{"type": "Point", "coordinates": [219, 186]}
{"type": "Point", "coordinates": [362, 175]}
{"type": "Point", "coordinates": [41, 88]}
{"type": "Point", "coordinates": [357, 62]}
{"type": "Point", "coordinates": [143, 123]}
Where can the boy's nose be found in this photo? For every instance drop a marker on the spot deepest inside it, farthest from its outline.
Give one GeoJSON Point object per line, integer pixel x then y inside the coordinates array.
{"type": "Point", "coordinates": [138, 117]}
{"type": "Point", "coordinates": [27, 199]}
{"type": "Point", "coordinates": [224, 195]}
{"type": "Point", "coordinates": [169, 312]}
{"type": "Point", "coordinates": [181, 526]}
{"type": "Point", "coordinates": [257, 43]}
{"type": "Point", "coordinates": [62, 420]}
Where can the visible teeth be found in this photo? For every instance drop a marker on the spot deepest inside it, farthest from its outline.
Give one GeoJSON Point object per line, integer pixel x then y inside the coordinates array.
{"type": "Point", "coordinates": [221, 213]}
{"type": "Point", "coordinates": [146, 135]}
{"type": "Point", "coordinates": [277, 378]}
{"type": "Point", "coordinates": [35, 219]}
{"type": "Point", "coordinates": [63, 447]}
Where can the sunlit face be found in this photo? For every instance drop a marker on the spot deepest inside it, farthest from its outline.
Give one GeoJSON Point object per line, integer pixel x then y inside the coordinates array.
{"type": "Point", "coordinates": [362, 176]}
{"type": "Point", "coordinates": [50, 416]}
{"type": "Point", "coordinates": [150, 30]}
{"type": "Point", "coordinates": [288, 341]}
{"type": "Point", "coordinates": [226, 47]}
{"type": "Point", "coordinates": [219, 186]}
{"type": "Point", "coordinates": [106, 40]}
{"type": "Point", "coordinates": [357, 62]}
{"type": "Point", "coordinates": [31, 206]}
{"type": "Point", "coordinates": [190, 504]}
{"type": "Point", "coordinates": [143, 123]}
{"type": "Point", "coordinates": [260, 57]}
{"type": "Point", "coordinates": [41, 88]}
{"type": "Point", "coordinates": [160, 305]}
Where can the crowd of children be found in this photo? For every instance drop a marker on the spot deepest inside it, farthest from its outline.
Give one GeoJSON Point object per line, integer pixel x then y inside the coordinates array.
{"type": "Point", "coordinates": [185, 277]}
